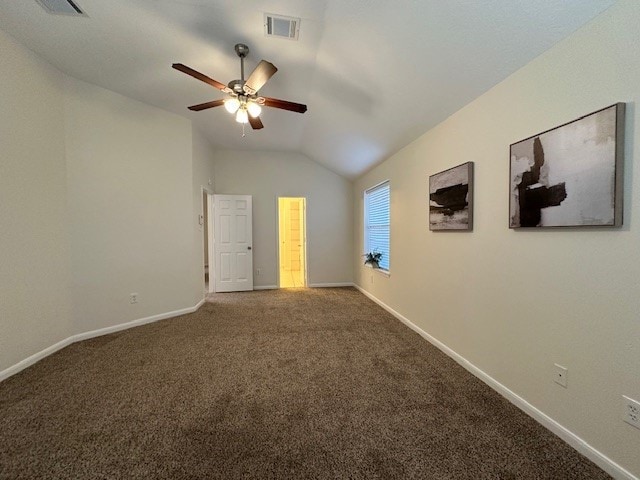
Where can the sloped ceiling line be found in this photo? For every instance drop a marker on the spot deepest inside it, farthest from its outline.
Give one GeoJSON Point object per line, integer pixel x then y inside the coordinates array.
{"type": "Point", "coordinates": [375, 74]}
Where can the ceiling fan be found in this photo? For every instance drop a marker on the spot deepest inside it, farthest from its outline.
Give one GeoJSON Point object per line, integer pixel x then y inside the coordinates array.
{"type": "Point", "coordinates": [243, 100]}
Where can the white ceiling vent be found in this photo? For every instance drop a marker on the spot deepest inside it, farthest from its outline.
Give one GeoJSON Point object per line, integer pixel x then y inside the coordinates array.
{"type": "Point", "coordinates": [281, 26]}
{"type": "Point", "coordinates": [62, 7]}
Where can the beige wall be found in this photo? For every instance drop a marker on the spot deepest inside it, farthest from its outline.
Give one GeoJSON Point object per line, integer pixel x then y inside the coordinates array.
{"type": "Point", "coordinates": [513, 303]}
{"type": "Point", "coordinates": [129, 170]}
{"type": "Point", "coordinates": [202, 173]}
{"type": "Point", "coordinates": [268, 175]}
{"type": "Point", "coordinates": [34, 253]}
{"type": "Point", "coordinates": [99, 198]}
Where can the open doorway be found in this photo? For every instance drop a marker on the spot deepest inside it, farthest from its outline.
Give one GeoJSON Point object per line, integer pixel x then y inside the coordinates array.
{"type": "Point", "coordinates": [292, 251]}
{"type": "Point", "coordinates": [207, 228]}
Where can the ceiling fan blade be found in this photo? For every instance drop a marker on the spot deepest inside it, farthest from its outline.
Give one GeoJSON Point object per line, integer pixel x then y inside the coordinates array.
{"type": "Point", "coordinates": [255, 122]}
{"type": "Point", "coordinates": [284, 105]}
{"type": "Point", "coordinates": [204, 106]}
{"type": "Point", "coordinates": [263, 72]}
{"type": "Point", "coordinates": [201, 76]}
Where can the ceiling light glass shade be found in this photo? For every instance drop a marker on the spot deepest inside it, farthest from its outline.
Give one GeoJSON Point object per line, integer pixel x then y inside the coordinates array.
{"type": "Point", "coordinates": [232, 105]}
{"type": "Point", "coordinates": [241, 116]}
{"type": "Point", "coordinates": [254, 109]}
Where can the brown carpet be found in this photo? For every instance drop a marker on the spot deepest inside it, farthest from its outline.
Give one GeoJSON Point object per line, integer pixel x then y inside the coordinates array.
{"type": "Point", "coordinates": [308, 383]}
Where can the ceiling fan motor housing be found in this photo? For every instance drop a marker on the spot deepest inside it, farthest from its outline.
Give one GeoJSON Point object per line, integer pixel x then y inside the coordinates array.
{"type": "Point", "coordinates": [242, 50]}
{"type": "Point", "coordinates": [236, 86]}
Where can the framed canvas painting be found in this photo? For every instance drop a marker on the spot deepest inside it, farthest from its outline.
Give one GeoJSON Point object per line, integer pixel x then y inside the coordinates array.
{"type": "Point", "coordinates": [451, 199]}
{"type": "Point", "coordinates": [571, 175]}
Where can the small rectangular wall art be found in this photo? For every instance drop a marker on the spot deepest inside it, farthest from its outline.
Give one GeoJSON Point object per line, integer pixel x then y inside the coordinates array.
{"type": "Point", "coordinates": [451, 199]}
{"type": "Point", "coordinates": [571, 175]}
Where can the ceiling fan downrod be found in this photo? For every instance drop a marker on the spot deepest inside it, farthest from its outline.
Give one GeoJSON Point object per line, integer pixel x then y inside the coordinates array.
{"type": "Point", "coordinates": [242, 51]}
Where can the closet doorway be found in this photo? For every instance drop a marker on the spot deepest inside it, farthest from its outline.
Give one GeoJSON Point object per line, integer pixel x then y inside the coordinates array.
{"type": "Point", "coordinates": [292, 242]}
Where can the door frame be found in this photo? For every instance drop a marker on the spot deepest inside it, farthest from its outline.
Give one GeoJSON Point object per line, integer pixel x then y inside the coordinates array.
{"type": "Point", "coordinates": [306, 244]}
{"type": "Point", "coordinates": [212, 271]}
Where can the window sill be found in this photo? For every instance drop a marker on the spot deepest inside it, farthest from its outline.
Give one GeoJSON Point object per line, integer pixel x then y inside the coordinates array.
{"type": "Point", "coordinates": [386, 273]}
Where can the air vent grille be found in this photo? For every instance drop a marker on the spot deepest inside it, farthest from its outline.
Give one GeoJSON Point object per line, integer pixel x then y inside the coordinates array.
{"type": "Point", "coordinates": [281, 26]}
{"type": "Point", "coordinates": [61, 7]}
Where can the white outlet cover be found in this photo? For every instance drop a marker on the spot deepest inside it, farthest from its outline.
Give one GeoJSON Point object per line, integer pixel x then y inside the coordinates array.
{"type": "Point", "coordinates": [560, 375]}
{"type": "Point", "coordinates": [631, 411]}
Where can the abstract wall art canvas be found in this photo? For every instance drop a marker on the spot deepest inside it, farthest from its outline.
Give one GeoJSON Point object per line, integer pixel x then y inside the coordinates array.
{"type": "Point", "coordinates": [451, 199]}
{"type": "Point", "coordinates": [570, 176]}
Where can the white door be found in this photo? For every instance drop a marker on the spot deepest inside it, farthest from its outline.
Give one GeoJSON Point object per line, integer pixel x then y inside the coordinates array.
{"type": "Point", "coordinates": [232, 243]}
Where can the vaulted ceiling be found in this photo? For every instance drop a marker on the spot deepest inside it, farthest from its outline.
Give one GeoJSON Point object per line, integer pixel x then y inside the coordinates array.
{"type": "Point", "coordinates": [375, 74]}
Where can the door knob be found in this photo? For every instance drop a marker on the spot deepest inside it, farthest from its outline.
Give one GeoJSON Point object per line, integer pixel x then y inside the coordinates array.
{"type": "Point", "coordinates": [248, 248]}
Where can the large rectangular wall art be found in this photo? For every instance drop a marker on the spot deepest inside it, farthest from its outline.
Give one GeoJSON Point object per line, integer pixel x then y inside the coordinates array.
{"type": "Point", "coordinates": [451, 199]}
{"type": "Point", "coordinates": [570, 176]}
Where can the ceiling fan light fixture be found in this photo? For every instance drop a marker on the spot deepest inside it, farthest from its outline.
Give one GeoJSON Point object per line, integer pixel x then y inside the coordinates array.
{"type": "Point", "coordinates": [242, 116]}
{"type": "Point", "coordinates": [232, 105]}
{"type": "Point", "coordinates": [254, 109]}
{"type": "Point", "coordinates": [243, 101]}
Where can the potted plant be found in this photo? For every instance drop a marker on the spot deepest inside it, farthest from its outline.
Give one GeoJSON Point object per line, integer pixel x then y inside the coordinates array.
{"type": "Point", "coordinates": [373, 258]}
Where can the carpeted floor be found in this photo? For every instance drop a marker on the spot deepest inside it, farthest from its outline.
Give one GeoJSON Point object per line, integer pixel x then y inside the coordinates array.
{"type": "Point", "coordinates": [309, 383]}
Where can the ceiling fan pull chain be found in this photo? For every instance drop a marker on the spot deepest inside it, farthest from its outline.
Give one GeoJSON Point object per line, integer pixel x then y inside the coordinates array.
{"type": "Point", "coordinates": [243, 130]}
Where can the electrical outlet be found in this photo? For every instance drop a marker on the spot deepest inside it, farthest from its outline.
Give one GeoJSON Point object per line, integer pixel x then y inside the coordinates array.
{"type": "Point", "coordinates": [631, 411]}
{"type": "Point", "coordinates": [560, 375]}
{"type": "Point", "coordinates": [133, 298]}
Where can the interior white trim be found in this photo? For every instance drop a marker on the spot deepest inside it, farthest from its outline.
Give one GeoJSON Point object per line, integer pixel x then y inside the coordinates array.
{"type": "Point", "coordinates": [597, 457]}
{"type": "Point", "coordinates": [27, 362]}
{"type": "Point", "coordinates": [265, 287]}
{"type": "Point", "coordinates": [210, 238]}
{"type": "Point", "coordinates": [380, 271]}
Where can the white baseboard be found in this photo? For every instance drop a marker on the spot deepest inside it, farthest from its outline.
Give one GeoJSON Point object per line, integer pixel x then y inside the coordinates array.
{"type": "Point", "coordinates": [136, 323]}
{"type": "Point", "coordinates": [265, 287]}
{"type": "Point", "coordinates": [27, 362]}
{"type": "Point", "coordinates": [597, 457]}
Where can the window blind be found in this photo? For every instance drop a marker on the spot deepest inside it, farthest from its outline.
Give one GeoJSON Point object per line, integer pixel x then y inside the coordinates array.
{"type": "Point", "coordinates": [377, 222]}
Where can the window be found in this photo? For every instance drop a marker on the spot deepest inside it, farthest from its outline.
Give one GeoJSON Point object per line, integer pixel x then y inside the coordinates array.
{"type": "Point", "coordinates": [377, 221]}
